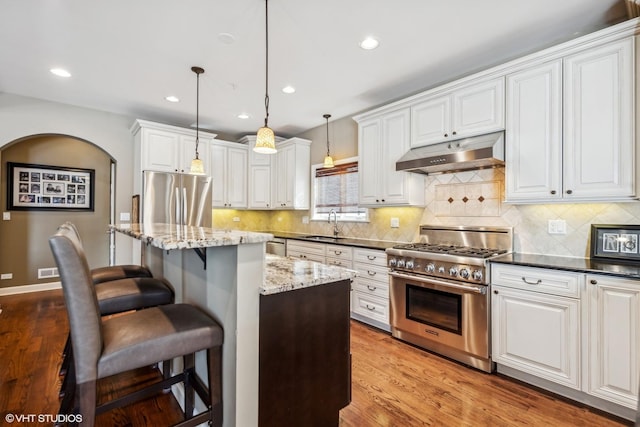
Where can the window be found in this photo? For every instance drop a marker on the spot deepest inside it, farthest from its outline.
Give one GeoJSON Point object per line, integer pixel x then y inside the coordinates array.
{"type": "Point", "coordinates": [337, 189]}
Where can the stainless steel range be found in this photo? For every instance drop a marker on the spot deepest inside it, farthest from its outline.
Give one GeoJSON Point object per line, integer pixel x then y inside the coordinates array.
{"type": "Point", "coordinates": [439, 290]}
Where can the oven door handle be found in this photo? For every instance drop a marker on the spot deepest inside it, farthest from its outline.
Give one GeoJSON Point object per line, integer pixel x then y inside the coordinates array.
{"type": "Point", "coordinates": [469, 288]}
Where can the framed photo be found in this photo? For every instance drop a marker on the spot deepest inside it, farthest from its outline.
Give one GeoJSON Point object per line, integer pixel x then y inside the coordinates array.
{"type": "Point", "coordinates": [615, 242]}
{"type": "Point", "coordinates": [49, 188]}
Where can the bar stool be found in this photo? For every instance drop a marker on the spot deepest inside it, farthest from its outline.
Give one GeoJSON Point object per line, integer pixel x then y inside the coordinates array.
{"type": "Point", "coordinates": [119, 289]}
{"type": "Point", "coordinates": [103, 348]}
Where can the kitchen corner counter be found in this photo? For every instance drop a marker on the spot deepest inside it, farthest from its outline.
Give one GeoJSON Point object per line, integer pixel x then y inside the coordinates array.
{"type": "Point", "coordinates": [287, 274]}
{"type": "Point", "coordinates": [171, 236]}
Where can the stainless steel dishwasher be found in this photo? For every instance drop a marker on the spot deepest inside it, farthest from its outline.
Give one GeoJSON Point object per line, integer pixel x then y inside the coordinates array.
{"type": "Point", "coordinates": [277, 246]}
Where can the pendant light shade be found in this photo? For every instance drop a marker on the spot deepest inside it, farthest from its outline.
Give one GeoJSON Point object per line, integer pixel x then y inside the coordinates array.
{"type": "Point", "coordinates": [265, 138]}
{"type": "Point", "coordinates": [328, 160]}
{"type": "Point", "coordinates": [197, 167]}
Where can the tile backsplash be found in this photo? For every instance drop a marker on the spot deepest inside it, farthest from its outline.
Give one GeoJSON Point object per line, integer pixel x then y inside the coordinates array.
{"type": "Point", "coordinates": [529, 222]}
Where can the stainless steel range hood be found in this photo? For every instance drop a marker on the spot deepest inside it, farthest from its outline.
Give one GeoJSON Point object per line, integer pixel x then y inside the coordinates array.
{"type": "Point", "coordinates": [478, 152]}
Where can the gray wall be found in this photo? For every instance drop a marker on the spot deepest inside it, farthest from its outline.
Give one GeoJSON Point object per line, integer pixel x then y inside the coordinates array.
{"type": "Point", "coordinates": [343, 140]}
{"type": "Point", "coordinates": [23, 117]}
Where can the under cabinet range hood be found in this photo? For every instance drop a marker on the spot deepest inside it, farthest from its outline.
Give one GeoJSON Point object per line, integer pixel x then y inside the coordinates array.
{"type": "Point", "coordinates": [478, 152]}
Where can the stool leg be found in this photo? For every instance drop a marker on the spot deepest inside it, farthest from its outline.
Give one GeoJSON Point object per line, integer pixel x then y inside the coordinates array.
{"type": "Point", "coordinates": [65, 360]}
{"type": "Point", "coordinates": [214, 372]}
{"type": "Point", "coordinates": [189, 394]}
{"type": "Point", "coordinates": [166, 374]}
{"type": "Point", "coordinates": [87, 402]}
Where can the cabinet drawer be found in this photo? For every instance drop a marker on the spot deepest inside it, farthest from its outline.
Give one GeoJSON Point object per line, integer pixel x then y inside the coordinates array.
{"type": "Point", "coordinates": [317, 249]}
{"type": "Point", "coordinates": [346, 263]}
{"type": "Point", "coordinates": [371, 287]}
{"type": "Point", "coordinates": [554, 282]}
{"type": "Point", "coordinates": [339, 252]}
{"type": "Point", "coordinates": [370, 306]}
{"type": "Point", "coordinates": [372, 272]}
{"type": "Point", "coordinates": [370, 256]}
{"type": "Point", "coordinates": [306, 256]}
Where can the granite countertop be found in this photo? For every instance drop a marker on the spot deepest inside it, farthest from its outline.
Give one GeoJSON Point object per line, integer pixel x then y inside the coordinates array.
{"type": "Point", "coordinates": [346, 241]}
{"type": "Point", "coordinates": [581, 265]}
{"type": "Point", "coordinates": [284, 274]}
{"type": "Point", "coordinates": [172, 236]}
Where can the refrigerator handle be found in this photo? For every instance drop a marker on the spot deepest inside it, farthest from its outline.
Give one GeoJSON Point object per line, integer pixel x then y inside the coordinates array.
{"type": "Point", "coordinates": [185, 218]}
{"type": "Point", "coordinates": [178, 220]}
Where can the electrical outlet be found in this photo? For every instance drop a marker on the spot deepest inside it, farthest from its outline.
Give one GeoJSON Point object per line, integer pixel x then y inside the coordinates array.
{"type": "Point", "coordinates": [236, 219]}
{"type": "Point", "coordinates": [305, 219]}
{"type": "Point", "coordinates": [6, 216]}
{"type": "Point", "coordinates": [6, 276]}
{"type": "Point", "coordinates": [395, 222]}
{"type": "Point", "coordinates": [557, 226]}
{"type": "Point", "coordinates": [125, 216]}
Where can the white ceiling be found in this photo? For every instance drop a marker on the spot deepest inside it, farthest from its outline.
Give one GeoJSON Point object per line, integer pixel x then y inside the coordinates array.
{"type": "Point", "coordinates": [126, 56]}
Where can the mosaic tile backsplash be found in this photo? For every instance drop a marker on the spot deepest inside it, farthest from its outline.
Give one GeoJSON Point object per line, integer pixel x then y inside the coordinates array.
{"type": "Point", "coordinates": [529, 222]}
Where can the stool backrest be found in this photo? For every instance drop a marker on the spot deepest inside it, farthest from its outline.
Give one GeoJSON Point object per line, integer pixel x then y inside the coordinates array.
{"type": "Point", "coordinates": [81, 302]}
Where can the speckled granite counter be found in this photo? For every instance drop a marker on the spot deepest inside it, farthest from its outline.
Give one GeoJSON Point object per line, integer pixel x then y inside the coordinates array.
{"type": "Point", "coordinates": [286, 274]}
{"type": "Point", "coordinates": [171, 236]}
{"type": "Point", "coordinates": [347, 241]}
{"type": "Point", "coordinates": [581, 265]}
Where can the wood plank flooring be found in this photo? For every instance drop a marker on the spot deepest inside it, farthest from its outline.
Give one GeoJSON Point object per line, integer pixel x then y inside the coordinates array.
{"type": "Point", "coordinates": [394, 384]}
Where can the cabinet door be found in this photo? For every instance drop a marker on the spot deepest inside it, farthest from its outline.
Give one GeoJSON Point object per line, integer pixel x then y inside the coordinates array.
{"type": "Point", "coordinates": [534, 134]}
{"type": "Point", "coordinates": [538, 334]}
{"type": "Point", "coordinates": [369, 162]}
{"type": "Point", "coordinates": [218, 174]}
{"type": "Point", "coordinates": [394, 144]}
{"type": "Point", "coordinates": [614, 339]}
{"type": "Point", "coordinates": [236, 177]}
{"type": "Point", "coordinates": [431, 121]}
{"type": "Point", "coordinates": [478, 109]}
{"type": "Point", "coordinates": [284, 185]}
{"type": "Point", "coordinates": [260, 187]}
{"type": "Point", "coordinates": [598, 124]}
{"type": "Point", "coordinates": [160, 150]}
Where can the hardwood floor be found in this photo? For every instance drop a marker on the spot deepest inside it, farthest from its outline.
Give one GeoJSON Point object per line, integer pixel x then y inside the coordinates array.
{"type": "Point", "coordinates": [394, 384]}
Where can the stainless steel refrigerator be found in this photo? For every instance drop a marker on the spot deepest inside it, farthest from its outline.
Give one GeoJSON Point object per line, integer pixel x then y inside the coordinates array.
{"type": "Point", "coordinates": [176, 198]}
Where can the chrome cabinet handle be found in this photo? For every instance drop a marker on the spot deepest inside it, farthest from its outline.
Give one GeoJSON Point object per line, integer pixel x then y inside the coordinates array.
{"type": "Point", "coordinates": [337, 252]}
{"type": "Point", "coordinates": [371, 288]}
{"type": "Point", "coordinates": [569, 192]}
{"type": "Point", "coordinates": [531, 283]}
{"type": "Point", "coordinates": [553, 191]}
{"type": "Point", "coordinates": [371, 273]}
{"type": "Point", "coordinates": [370, 308]}
{"type": "Point", "coordinates": [593, 281]}
{"type": "Point", "coordinates": [371, 258]}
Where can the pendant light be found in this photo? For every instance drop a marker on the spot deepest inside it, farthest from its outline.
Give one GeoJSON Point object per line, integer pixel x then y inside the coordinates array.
{"type": "Point", "coordinates": [265, 138]}
{"type": "Point", "coordinates": [197, 167]}
{"type": "Point", "coordinates": [328, 160]}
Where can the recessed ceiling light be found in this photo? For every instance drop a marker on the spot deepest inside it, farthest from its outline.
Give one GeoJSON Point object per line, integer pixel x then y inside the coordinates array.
{"type": "Point", "coordinates": [289, 89]}
{"type": "Point", "coordinates": [243, 116]}
{"type": "Point", "coordinates": [226, 38]}
{"type": "Point", "coordinates": [60, 72]}
{"type": "Point", "coordinates": [369, 43]}
{"type": "Point", "coordinates": [172, 98]}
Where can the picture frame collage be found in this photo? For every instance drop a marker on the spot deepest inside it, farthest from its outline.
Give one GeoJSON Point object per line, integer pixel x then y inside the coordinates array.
{"type": "Point", "coordinates": [615, 242]}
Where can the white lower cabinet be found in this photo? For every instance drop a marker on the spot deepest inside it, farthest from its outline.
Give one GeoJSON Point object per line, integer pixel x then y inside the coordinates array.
{"type": "Point", "coordinates": [370, 293]}
{"type": "Point", "coordinates": [537, 333]}
{"type": "Point", "coordinates": [613, 334]}
{"type": "Point", "coordinates": [307, 251]}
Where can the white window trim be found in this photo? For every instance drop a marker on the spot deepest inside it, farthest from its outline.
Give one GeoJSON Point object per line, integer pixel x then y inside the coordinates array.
{"type": "Point", "coordinates": [323, 217]}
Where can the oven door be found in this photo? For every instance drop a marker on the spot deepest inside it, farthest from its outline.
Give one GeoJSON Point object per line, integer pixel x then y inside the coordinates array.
{"type": "Point", "coordinates": [451, 315]}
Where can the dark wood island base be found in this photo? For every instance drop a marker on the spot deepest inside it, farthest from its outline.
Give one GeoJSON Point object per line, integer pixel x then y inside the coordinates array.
{"type": "Point", "coordinates": [305, 360]}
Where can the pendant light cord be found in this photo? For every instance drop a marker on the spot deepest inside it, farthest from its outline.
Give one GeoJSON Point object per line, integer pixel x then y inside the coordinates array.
{"type": "Point", "coordinates": [266, 95]}
{"type": "Point", "coordinates": [197, 112]}
{"type": "Point", "coordinates": [327, 116]}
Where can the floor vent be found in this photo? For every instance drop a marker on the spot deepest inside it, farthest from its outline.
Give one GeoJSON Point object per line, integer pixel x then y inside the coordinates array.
{"type": "Point", "coordinates": [46, 273]}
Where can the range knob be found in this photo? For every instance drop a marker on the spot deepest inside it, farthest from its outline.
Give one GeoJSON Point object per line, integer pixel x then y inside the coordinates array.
{"type": "Point", "coordinates": [441, 269]}
{"type": "Point", "coordinates": [453, 271]}
{"type": "Point", "coordinates": [410, 264]}
{"type": "Point", "coordinates": [464, 273]}
{"type": "Point", "coordinates": [477, 275]}
{"type": "Point", "coordinates": [400, 263]}
{"type": "Point", "coordinates": [430, 268]}
{"type": "Point", "coordinates": [392, 262]}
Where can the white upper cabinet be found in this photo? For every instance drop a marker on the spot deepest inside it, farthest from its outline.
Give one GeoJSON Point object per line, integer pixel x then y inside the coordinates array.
{"type": "Point", "coordinates": [291, 174]}
{"type": "Point", "coordinates": [572, 141]}
{"type": "Point", "coordinates": [166, 148]}
{"type": "Point", "coordinates": [472, 110]}
{"type": "Point", "coordinates": [229, 173]}
{"type": "Point", "coordinates": [534, 133]}
{"type": "Point", "coordinates": [599, 123]}
{"type": "Point", "coordinates": [382, 141]}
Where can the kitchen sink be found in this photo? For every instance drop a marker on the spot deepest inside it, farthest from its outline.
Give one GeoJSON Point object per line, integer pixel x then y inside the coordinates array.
{"type": "Point", "coordinates": [323, 238]}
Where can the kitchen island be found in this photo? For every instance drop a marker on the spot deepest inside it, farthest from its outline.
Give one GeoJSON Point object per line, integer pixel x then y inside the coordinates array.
{"type": "Point", "coordinates": [228, 274]}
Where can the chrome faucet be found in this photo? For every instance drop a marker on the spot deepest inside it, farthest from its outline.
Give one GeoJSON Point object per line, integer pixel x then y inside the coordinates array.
{"type": "Point", "coordinates": [335, 223]}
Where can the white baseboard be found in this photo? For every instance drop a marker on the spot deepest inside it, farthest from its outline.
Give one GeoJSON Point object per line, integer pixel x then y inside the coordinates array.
{"type": "Point", "coordinates": [13, 290]}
